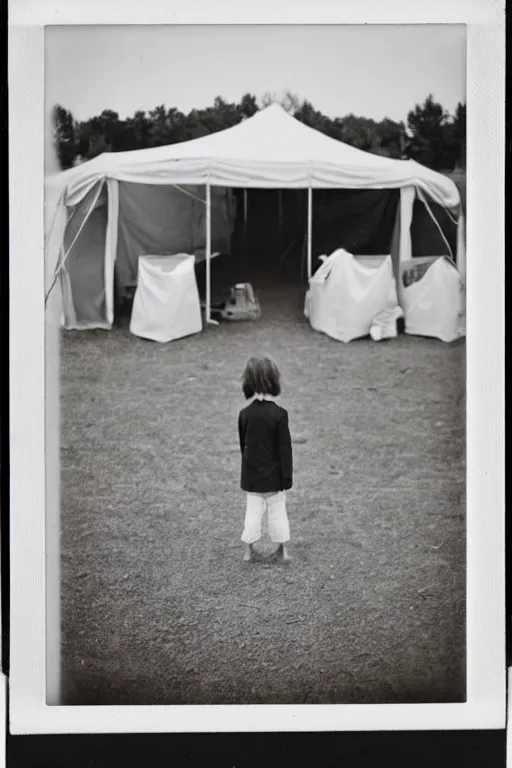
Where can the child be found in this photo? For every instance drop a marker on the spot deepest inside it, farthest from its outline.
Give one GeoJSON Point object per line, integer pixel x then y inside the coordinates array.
{"type": "Point", "coordinates": [266, 447]}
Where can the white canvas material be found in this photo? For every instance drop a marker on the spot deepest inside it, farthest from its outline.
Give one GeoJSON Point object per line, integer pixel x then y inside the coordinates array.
{"type": "Point", "coordinates": [156, 219]}
{"type": "Point", "coordinates": [83, 277]}
{"type": "Point", "coordinates": [269, 150]}
{"type": "Point", "coordinates": [434, 306]}
{"type": "Point", "coordinates": [127, 220]}
{"type": "Point", "coordinates": [384, 324]}
{"type": "Point", "coordinates": [346, 293]}
{"type": "Point", "coordinates": [166, 303]}
{"type": "Point", "coordinates": [157, 200]}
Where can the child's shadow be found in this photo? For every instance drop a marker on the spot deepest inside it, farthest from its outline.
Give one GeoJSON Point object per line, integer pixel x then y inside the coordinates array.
{"type": "Point", "coordinates": [266, 558]}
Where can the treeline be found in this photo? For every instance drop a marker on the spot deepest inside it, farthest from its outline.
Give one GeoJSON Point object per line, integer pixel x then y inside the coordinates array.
{"type": "Point", "coordinates": [431, 135]}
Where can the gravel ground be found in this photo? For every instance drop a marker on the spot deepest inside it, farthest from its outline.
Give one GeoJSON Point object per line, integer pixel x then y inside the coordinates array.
{"type": "Point", "coordinates": [157, 605]}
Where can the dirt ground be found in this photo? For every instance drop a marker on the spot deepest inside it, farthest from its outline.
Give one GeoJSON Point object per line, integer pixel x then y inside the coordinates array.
{"type": "Point", "coordinates": [158, 606]}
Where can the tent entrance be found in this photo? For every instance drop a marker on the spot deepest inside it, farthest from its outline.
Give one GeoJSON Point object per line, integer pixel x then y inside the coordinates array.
{"type": "Point", "coordinates": [270, 234]}
{"type": "Point", "coordinates": [272, 231]}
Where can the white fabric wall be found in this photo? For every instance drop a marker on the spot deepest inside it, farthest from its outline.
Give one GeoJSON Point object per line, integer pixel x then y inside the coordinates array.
{"type": "Point", "coordinates": [128, 221]}
{"type": "Point", "coordinates": [165, 220]}
{"type": "Point", "coordinates": [83, 274]}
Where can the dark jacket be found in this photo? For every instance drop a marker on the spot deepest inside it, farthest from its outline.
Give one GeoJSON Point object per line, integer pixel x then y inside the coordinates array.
{"type": "Point", "coordinates": [266, 447]}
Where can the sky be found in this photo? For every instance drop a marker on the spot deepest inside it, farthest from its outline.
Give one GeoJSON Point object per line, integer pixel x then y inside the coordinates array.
{"type": "Point", "coordinates": [370, 71]}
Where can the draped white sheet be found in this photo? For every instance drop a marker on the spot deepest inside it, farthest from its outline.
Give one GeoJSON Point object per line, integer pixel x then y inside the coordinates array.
{"type": "Point", "coordinates": [433, 306]}
{"type": "Point", "coordinates": [347, 292]}
{"type": "Point", "coordinates": [166, 304]}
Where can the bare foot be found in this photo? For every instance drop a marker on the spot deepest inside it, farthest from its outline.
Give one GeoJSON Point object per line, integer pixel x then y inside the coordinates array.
{"type": "Point", "coordinates": [248, 555]}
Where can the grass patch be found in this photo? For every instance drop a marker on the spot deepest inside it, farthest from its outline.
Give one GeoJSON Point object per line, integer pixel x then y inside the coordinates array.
{"type": "Point", "coordinates": [157, 605]}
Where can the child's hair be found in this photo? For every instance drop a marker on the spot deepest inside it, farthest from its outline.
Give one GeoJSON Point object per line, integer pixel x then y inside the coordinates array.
{"type": "Point", "coordinates": [261, 377]}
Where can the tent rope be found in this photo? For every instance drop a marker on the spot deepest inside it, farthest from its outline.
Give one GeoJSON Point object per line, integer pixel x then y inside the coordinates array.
{"type": "Point", "coordinates": [54, 220]}
{"type": "Point", "coordinates": [189, 194]}
{"type": "Point", "coordinates": [431, 214]}
{"type": "Point", "coordinates": [199, 199]}
{"type": "Point", "coordinates": [62, 261]}
{"type": "Point", "coordinates": [449, 214]}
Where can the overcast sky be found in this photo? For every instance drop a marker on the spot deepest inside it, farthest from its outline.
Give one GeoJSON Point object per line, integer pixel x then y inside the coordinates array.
{"type": "Point", "coordinates": [370, 71]}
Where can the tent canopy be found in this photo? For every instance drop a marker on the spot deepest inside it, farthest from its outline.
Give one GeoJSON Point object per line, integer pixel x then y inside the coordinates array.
{"type": "Point", "coordinates": [272, 149]}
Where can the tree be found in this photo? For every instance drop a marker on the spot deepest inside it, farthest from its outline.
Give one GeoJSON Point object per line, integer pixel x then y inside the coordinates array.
{"type": "Point", "coordinates": [359, 132]}
{"type": "Point", "coordinates": [432, 137]}
{"type": "Point", "coordinates": [65, 139]}
{"type": "Point", "coordinates": [158, 127]}
{"type": "Point", "coordinates": [457, 136]}
{"type": "Point", "coordinates": [194, 127]}
{"type": "Point", "coordinates": [220, 116]}
{"type": "Point", "coordinates": [392, 137]}
{"type": "Point", "coordinates": [248, 105]}
{"type": "Point", "coordinates": [308, 115]}
{"type": "Point", "coordinates": [136, 130]}
{"type": "Point", "coordinates": [267, 99]}
{"type": "Point", "coordinates": [103, 133]}
{"type": "Point", "coordinates": [290, 102]}
{"type": "Point", "coordinates": [427, 124]}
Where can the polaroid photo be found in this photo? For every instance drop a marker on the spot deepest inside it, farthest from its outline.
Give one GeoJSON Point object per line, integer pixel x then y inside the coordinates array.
{"type": "Point", "coordinates": [257, 444]}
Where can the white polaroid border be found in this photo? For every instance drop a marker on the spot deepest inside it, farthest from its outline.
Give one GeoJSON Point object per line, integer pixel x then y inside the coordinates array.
{"type": "Point", "coordinates": [34, 545]}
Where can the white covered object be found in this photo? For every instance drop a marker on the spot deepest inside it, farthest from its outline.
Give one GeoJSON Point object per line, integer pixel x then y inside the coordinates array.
{"type": "Point", "coordinates": [433, 306]}
{"type": "Point", "coordinates": [384, 324]}
{"type": "Point", "coordinates": [347, 292]}
{"type": "Point", "coordinates": [166, 303]}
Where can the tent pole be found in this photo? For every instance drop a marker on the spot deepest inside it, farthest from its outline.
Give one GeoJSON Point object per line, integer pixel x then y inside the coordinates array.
{"type": "Point", "coordinates": [111, 246]}
{"type": "Point", "coordinates": [245, 220]}
{"type": "Point", "coordinates": [407, 195]}
{"type": "Point", "coordinates": [280, 193]}
{"type": "Point", "coordinates": [310, 226]}
{"type": "Point", "coordinates": [208, 248]}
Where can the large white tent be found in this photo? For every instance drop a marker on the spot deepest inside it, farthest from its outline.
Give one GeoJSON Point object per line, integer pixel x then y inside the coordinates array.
{"type": "Point", "coordinates": [271, 150]}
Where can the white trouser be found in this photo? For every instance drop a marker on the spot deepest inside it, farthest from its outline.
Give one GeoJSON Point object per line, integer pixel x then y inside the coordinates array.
{"type": "Point", "coordinates": [275, 505]}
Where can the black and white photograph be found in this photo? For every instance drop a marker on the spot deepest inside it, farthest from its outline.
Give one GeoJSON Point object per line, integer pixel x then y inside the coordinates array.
{"type": "Point", "coordinates": [255, 255]}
